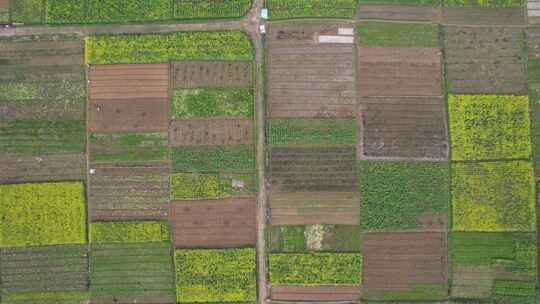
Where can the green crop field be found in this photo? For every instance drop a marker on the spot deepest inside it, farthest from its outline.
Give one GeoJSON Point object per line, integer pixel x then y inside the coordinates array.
{"type": "Point", "coordinates": [213, 158]}
{"type": "Point", "coordinates": [153, 48]}
{"type": "Point", "coordinates": [307, 238]}
{"type": "Point", "coordinates": [227, 275]}
{"type": "Point", "coordinates": [493, 196]}
{"type": "Point", "coordinates": [489, 127]}
{"type": "Point", "coordinates": [212, 103]}
{"type": "Point", "coordinates": [388, 34]}
{"type": "Point", "coordinates": [400, 2]}
{"type": "Point", "coordinates": [128, 232]}
{"type": "Point", "coordinates": [42, 214]}
{"type": "Point", "coordinates": [290, 9]}
{"type": "Point", "coordinates": [485, 3]}
{"type": "Point", "coordinates": [394, 195]}
{"type": "Point", "coordinates": [128, 147]}
{"type": "Point", "coordinates": [311, 132]}
{"type": "Point", "coordinates": [315, 268]}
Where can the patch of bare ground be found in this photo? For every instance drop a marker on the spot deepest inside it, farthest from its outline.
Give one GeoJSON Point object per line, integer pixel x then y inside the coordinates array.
{"type": "Point", "coordinates": [399, 12]}
{"type": "Point", "coordinates": [483, 16]}
{"type": "Point", "coordinates": [16, 168]}
{"type": "Point", "coordinates": [220, 74]}
{"type": "Point", "coordinates": [211, 131]}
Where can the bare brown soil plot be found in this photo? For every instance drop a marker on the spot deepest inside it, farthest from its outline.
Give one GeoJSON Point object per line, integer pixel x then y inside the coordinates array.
{"type": "Point", "coordinates": [220, 74]}
{"type": "Point", "coordinates": [399, 12]}
{"type": "Point", "coordinates": [129, 190]}
{"type": "Point", "coordinates": [211, 131]}
{"type": "Point", "coordinates": [53, 167]}
{"type": "Point", "coordinates": [312, 208]}
{"type": "Point", "coordinates": [384, 71]}
{"type": "Point", "coordinates": [313, 169]}
{"type": "Point", "coordinates": [4, 4]}
{"type": "Point", "coordinates": [483, 16]}
{"type": "Point", "coordinates": [485, 60]}
{"type": "Point", "coordinates": [403, 127]}
{"type": "Point", "coordinates": [315, 293]}
{"type": "Point", "coordinates": [307, 78]}
{"type": "Point", "coordinates": [213, 223]}
{"type": "Point", "coordinates": [397, 262]}
{"type": "Point", "coordinates": [135, 115]}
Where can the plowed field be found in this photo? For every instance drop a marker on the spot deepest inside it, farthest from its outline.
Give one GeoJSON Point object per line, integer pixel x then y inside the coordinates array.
{"type": "Point", "coordinates": [208, 74]}
{"type": "Point", "coordinates": [55, 167]}
{"type": "Point", "coordinates": [215, 131]}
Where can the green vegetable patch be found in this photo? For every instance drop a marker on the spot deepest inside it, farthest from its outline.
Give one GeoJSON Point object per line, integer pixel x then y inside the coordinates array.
{"type": "Point", "coordinates": [214, 158]}
{"type": "Point", "coordinates": [493, 196]}
{"type": "Point", "coordinates": [290, 9]}
{"type": "Point", "coordinates": [312, 132]}
{"type": "Point", "coordinates": [212, 103]}
{"type": "Point", "coordinates": [227, 275]}
{"type": "Point", "coordinates": [390, 34]}
{"type": "Point", "coordinates": [485, 3]}
{"type": "Point", "coordinates": [403, 195]}
{"type": "Point", "coordinates": [128, 147]}
{"type": "Point", "coordinates": [209, 186]}
{"type": "Point", "coordinates": [128, 232]}
{"type": "Point", "coordinates": [489, 127]}
{"type": "Point", "coordinates": [42, 214]}
{"type": "Point", "coordinates": [309, 238]}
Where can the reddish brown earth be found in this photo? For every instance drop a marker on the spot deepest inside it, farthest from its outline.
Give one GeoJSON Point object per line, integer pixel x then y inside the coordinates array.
{"type": "Point", "coordinates": [384, 71]}
{"type": "Point", "coordinates": [403, 127]}
{"type": "Point", "coordinates": [312, 208]}
{"type": "Point", "coordinates": [4, 4]}
{"type": "Point", "coordinates": [208, 74]}
{"type": "Point", "coordinates": [483, 16]}
{"type": "Point", "coordinates": [33, 168]}
{"type": "Point", "coordinates": [129, 190]}
{"type": "Point", "coordinates": [485, 60]}
{"type": "Point", "coordinates": [219, 223]}
{"type": "Point", "coordinates": [399, 12]}
{"type": "Point", "coordinates": [211, 131]}
{"type": "Point", "coordinates": [308, 79]}
{"type": "Point", "coordinates": [315, 293]}
{"type": "Point", "coordinates": [395, 262]}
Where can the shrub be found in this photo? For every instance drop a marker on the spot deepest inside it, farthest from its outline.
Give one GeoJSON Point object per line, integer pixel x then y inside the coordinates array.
{"type": "Point", "coordinates": [388, 34]}
{"type": "Point", "coordinates": [153, 48]}
{"type": "Point", "coordinates": [493, 196]}
{"type": "Point", "coordinates": [128, 232]}
{"type": "Point", "coordinates": [212, 103]}
{"type": "Point", "coordinates": [42, 214]}
{"type": "Point", "coordinates": [227, 275]}
{"type": "Point", "coordinates": [312, 132]}
{"type": "Point", "coordinates": [317, 268]}
{"type": "Point", "coordinates": [213, 158]}
{"type": "Point", "coordinates": [394, 194]}
{"type": "Point", "coordinates": [289, 9]}
{"type": "Point", "coordinates": [489, 127]}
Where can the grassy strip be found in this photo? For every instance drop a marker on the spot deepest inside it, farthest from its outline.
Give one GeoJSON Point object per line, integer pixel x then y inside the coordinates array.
{"type": "Point", "coordinates": [489, 127]}
{"type": "Point", "coordinates": [65, 91]}
{"type": "Point", "coordinates": [493, 196]}
{"type": "Point", "coordinates": [64, 297]}
{"type": "Point", "coordinates": [317, 268]}
{"type": "Point", "coordinates": [128, 232]}
{"type": "Point", "coordinates": [227, 275]}
{"type": "Point", "coordinates": [307, 238]}
{"type": "Point", "coordinates": [311, 132]}
{"type": "Point", "coordinates": [388, 34]}
{"type": "Point", "coordinates": [394, 194]}
{"type": "Point", "coordinates": [42, 214]}
{"type": "Point", "coordinates": [212, 103]}
{"type": "Point", "coordinates": [290, 9]}
{"type": "Point", "coordinates": [152, 48]}
{"type": "Point", "coordinates": [485, 3]}
{"type": "Point", "coordinates": [400, 2]}
{"type": "Point", "coordinates": [128, 147]}
{"type": "Point", "coordinates": [213, 158]}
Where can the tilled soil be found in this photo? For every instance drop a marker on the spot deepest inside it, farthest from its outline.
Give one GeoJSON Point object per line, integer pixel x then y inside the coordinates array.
{"type": "Point", "coordinates": [315, 293]}
{"type": "Point", "coordinates": [223, 223]}
{"type": "Point", "coordinates": [396, 262]}
{"type": "Point", "coordinates": [211, 131]}
{"type": "Point", "coordinates": [483, 16]}
{"type": "Point", "coordinates": [312, 208]}
{"type": "Point", "coordinates": [212, 74]}
{"type": "Point", "coordinates": [399, 12]}
{"type": "Point", "coordinates": [17, 168]}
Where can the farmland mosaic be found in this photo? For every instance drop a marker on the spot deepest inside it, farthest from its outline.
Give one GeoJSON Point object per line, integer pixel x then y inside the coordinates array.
{"type": "Point", "coordinates": [269, 151]}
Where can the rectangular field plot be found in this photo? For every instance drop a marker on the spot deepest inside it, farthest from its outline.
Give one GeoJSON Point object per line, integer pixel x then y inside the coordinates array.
{"type": "Point", "coordinates": [131, 273]}
{"type": "Point", "coordinates": [212, 74]}
{"type": "Point", "coordinates": [410, 266]}
{"type": "Point", "coordinates": [313, 169]}
{"type": "Point", "coordinates": [128, 147]}
{"type": "Point", "coordinates": [221, 223]}
{"type": "Point", "coordinates": [483, 16]}
{"type": "Point", "coordinates": [398, 35]}
{"type": "Point", "coordinates": [196, 185]}
{"type": "Point", "coordinates": [211, 131]}
{"type": "Point", "coordinates": [315, 293]}
{"type": "Point", "coordinates": [129, 190]}
{"type": "Point", "coordinates": [387, 71]}
{"type": "Point", "coordinates": [493, 196]}
{"type": "Point", "coordinates": [397, 12]}
{"type": "Point", "coordinates": [310, 238]}
{"type": "Point", "coordinates": [129, 97]}
{"type": "Point", "coordinates": [485, 60]}
{"type": "Point", "coordinates": [496, 266]}
{"type": "Point", "coordinates": [311, 71]}
{"type": "Point", "coordinates": [216, 275]}
{"type": "Point", "coordinates": [403, 127]}
{"type": "Point", "coordinates": [289, 9]}
{"type": "Point", "coordinates": [18, 168]}
{"type": "Point", "coordinates": [404, 196]}
{"type": "Point", "coordinates": [311, 208]}
{"type": "Point", "coordinates": [49, 274]}
{"type": "Point", "coordinates": [238, 158]}
{"type": "Point", "coordinates": [311, 132]}
{"type": "Point", "coordinates": [129, 232]}
{"type": "Point", "coordinates": [212, 102]}
{"type": "Point", "coordinates": [4, 10]}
